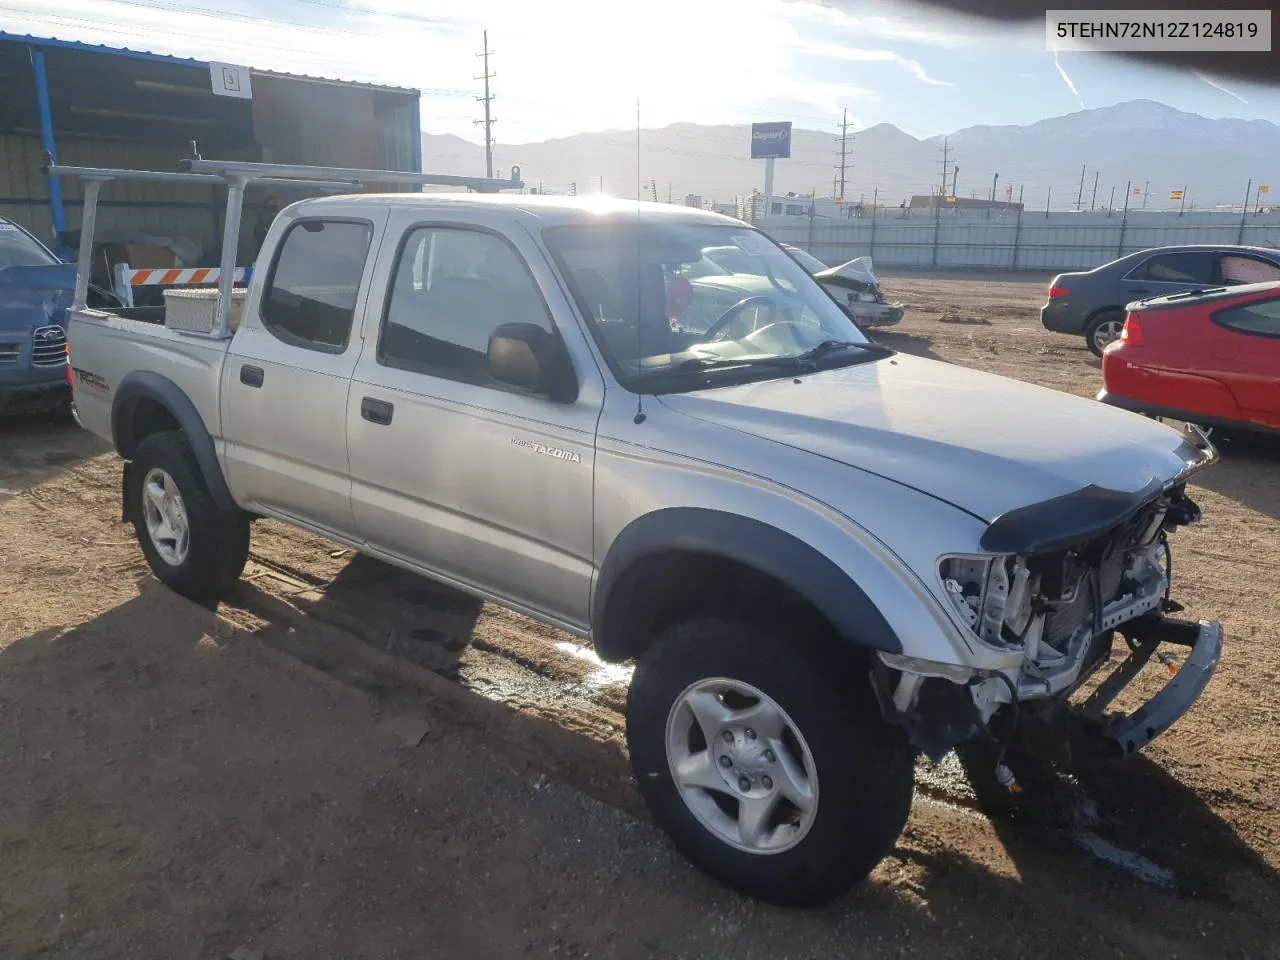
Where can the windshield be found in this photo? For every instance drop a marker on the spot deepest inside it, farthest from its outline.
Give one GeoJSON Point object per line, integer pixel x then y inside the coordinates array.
{"type": "Point", "coordinates": [664, 318]}
{"type": "Point", "coordinates": [807, 260]}
{"type": "Point", "coordinates": [18, 249]}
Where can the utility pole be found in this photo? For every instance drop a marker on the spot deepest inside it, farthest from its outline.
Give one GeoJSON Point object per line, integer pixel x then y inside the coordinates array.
{"type": "Point", "coordinates": [487, 99]}
{"type": "Point", "coordinates": [1112, 202]}
{"type": "Point", "coordinates": [945, 153]}
{"type": "Point", "coordinates": [1244, 211]}
{"type": "Point", "coordinates": [955, 172]}
{"type": "Point", "coordinates": [1094, 202]}
{"type": "Point", "coordinates": [1048, 196]}
{"type": "Point", "coordinates": [1146, 189]}
{"type": "Point", "coordinates": [995, 179]}
{"type": "Point", "coordinates": [1124, 217]}
{"type": "Point", "coordinates": [1080, 193]}
{"type": "Point", "coordinates": [844, 147]}
{"type": "Point", "coordinates": [1182, 200]}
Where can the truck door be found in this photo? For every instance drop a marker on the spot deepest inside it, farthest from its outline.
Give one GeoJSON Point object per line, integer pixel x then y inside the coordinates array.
{"type": "Point", "coordinates": [455, 473]}
{"type": "Point", "coordinates": [288, 372]}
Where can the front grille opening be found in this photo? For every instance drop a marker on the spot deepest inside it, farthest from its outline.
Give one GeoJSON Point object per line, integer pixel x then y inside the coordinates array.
{"type": "Point", "coordinates": [48, 347]}
{"type": "Point", "coordinates": [8, 353]}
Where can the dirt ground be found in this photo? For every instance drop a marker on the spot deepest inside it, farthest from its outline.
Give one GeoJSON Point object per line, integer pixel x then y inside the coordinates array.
{"type": "Point", "coordinates": [178, 781]}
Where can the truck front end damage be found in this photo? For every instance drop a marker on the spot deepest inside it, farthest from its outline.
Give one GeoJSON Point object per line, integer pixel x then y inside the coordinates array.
{"type": "Point", "coordinates": [1060, 580]}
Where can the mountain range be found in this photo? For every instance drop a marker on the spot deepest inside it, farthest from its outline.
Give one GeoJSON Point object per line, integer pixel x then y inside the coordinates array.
{"type": "Point", "coordinates": [1149, 145]}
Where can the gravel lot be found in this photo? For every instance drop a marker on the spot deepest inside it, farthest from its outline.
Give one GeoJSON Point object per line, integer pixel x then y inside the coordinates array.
{"type": "Point", "coordinates": [181, 781]}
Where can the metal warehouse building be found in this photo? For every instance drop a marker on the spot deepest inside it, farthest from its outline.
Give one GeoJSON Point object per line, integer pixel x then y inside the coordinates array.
{"type": "Point", "coordinates": [110, 107]}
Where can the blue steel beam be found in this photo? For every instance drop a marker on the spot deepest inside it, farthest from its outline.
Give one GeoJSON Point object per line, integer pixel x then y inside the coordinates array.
{"type": "Point", "coordinates": [46, 138]}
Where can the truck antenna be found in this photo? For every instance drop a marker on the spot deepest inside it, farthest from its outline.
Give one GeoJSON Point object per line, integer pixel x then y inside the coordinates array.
{"type": "Point", "coordinates": [640, 414]}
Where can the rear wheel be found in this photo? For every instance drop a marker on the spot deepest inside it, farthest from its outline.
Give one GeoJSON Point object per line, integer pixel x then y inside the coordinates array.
{"type": "Point", "coordinates": [192, 546]}
{"type": "Point", "coordinates": [1104, 329]}
{"type": "Point", "coordinates": [766, 775]}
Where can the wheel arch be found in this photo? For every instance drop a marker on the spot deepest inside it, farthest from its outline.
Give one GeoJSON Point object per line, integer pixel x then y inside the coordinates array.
{"type": "Point", "coordinates": [145, 403]}
{"type": "Point", "coordinates": [648, 578]}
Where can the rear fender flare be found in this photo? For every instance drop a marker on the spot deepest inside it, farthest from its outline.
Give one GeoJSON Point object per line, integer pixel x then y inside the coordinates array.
{"type": "Point", "coordinates": [146, 385]}
{"type": "Point", "coordinates": [751, 543]}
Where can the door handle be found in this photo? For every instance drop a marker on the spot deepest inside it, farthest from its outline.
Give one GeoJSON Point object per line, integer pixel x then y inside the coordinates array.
{"type": "Point", "coordinates": [376, 411]}
{"type": "Point", "coordinates": [251, 376]}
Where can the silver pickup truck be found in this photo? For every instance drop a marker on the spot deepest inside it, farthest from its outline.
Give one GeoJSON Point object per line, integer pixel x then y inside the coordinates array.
{"type": "Point", "coordinates": [825, 557]}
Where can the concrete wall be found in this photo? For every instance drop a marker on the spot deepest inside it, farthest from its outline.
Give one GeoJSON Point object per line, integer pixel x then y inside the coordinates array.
{"type": "Point", "coordinates": [1060, 241]}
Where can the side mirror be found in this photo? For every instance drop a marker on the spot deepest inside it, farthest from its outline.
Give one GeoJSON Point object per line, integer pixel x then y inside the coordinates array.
{"type": "Point", "coordinates": [526, 356]}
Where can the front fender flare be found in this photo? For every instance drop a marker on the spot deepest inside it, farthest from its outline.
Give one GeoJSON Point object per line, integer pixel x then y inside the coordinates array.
{"type": "Point", "coordinates": [146, 385]}
{"type": "Point", "coordinates": [752, 543]}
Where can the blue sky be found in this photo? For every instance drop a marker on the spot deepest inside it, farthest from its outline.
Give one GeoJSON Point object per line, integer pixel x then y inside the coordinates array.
{"type": "Point", "coordinates": [573, 65]}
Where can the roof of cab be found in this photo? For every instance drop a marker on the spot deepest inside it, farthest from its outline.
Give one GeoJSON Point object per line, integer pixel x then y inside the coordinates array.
{"type": "Point", "coordinates": [546, 211]}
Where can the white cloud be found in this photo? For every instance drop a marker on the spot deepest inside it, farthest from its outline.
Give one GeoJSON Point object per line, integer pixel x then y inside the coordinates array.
{"type": "Point", "coordinates": [835, 51]}
{"type": "Point", "coordinates": [862, 19]}
{"type": "Point", "coordinates": [1217, 86]}
{"type": "Point", "coordinates": [1067, 79]}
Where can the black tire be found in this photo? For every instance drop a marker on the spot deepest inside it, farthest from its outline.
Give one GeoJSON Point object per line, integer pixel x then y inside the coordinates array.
{"type": "Point", "coordinates": [1091, 332]}
{"type": "Point", "coordinates": [219, 539]}
{"type": "Point", "coordinates": [864, 765]}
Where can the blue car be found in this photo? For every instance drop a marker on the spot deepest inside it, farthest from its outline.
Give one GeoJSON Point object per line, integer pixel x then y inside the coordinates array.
{"type": "Point", "coordinates": [35, 290]}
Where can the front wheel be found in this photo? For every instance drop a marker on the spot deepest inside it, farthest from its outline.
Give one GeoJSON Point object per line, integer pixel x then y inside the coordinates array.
{"type": "Point", "coordinates": [192, 546]}
{"type": "Point", "coordinates": [764, 774]}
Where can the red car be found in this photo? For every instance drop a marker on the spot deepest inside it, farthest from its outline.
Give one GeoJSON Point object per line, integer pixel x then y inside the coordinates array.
{"type": "Point", "coordinates": [1208, 357]}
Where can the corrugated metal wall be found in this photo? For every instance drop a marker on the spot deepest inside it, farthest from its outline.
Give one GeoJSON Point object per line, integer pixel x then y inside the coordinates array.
{"type": "Point", "coordinates": [1060, 241]}
{"type": "Point", "coordinates": [191, 211]}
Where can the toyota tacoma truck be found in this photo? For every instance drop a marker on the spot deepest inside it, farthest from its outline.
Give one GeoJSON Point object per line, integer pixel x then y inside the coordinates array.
{"type": "Point", "coordinates": [825, 557]}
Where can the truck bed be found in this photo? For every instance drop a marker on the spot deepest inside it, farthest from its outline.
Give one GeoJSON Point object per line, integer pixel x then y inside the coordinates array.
{"type": "Point", "coordinates": [108, 350]}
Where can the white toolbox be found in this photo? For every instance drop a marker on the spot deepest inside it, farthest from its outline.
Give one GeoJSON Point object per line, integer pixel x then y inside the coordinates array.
{"type": "Point", "coordinates": [194, 310]}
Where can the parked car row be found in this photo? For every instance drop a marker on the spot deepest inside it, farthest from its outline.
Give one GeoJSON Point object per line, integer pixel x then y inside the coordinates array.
{"type": "Point", "coordinates": [1189, 333]}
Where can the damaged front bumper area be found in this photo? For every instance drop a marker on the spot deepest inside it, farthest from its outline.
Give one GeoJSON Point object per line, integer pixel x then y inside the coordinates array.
{"type": "Point", "coordinates": [1124, 735]}
{"type": "Point", "coordinates": [1063, 581]}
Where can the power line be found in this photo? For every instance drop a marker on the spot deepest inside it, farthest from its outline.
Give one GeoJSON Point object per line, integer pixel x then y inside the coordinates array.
{"type": "Point", "coordinates": [487, 99]}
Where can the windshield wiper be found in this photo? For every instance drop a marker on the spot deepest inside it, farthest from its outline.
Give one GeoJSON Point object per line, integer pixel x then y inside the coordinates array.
{"type": "Point", "coordinates": [832, 346]}
{"type": "Point", "coordinates": [800, 360]}
{"type": "Point", "coordinates": [714, 363]}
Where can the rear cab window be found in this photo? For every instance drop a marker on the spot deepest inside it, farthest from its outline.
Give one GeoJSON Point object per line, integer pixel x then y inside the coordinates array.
{"type": "Point", "coordinates": [310, 295]}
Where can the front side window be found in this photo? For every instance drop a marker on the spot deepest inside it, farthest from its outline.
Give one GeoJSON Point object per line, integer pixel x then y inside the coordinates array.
{"type": "Point", "coordinates": [310, 298]}
{"type": "Point", "coordinates": [1185, 267]}
{"type": "Point", "coordinates": [1261, 319]}
{"type": "Point", "coordinates": [453, 287]}
{"type": "Point", "coordinates": [664, 327]}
